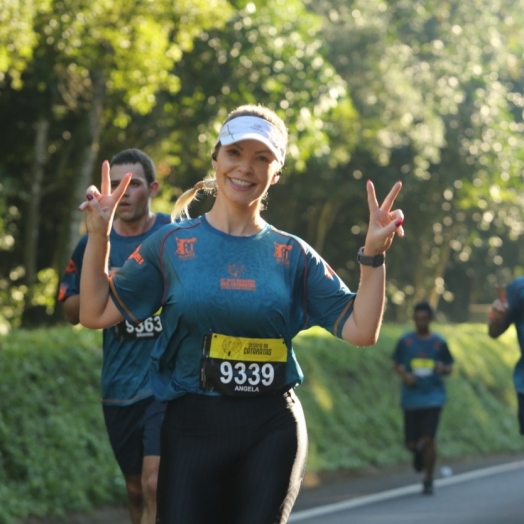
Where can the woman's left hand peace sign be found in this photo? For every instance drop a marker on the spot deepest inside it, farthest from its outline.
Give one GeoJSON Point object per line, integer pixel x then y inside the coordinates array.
{"type": "Point", "coordinates": [101, 205]}
{"type": "Point", "coordinates": [383, 222]}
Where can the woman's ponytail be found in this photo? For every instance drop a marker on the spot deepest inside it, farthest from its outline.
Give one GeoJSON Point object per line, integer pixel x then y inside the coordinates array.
{"type": "Point", "coordinates": [180, 209]}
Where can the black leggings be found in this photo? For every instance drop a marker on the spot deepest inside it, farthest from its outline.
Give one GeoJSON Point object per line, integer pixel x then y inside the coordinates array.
{"type": "Point", "coordinates": [231, 460]}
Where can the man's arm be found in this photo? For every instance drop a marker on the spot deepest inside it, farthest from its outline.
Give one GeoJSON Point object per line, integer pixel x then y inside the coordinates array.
{"type": "Point", "coordinates": [497, 320]}
{"type": "Point", "coordinates": [444, 360]}
{"type": "Point", "coordinates": [408, 378]}
{"type": "Point", "coordinates": [443, 369]}
{"type": "Point", "coordinates": [72, 309]}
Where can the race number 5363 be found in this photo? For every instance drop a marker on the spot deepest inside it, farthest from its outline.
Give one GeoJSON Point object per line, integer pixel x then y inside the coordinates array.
{"type": "Point", "coordinates": [150, 328]}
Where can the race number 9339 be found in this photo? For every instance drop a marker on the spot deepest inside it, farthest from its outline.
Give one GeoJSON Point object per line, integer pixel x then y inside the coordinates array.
{"type": "Point", "coordinates": [242, 366]}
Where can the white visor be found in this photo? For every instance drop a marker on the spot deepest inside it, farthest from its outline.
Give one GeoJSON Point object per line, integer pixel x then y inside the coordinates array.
{"type": "Point", "coordinates": [254, 128]}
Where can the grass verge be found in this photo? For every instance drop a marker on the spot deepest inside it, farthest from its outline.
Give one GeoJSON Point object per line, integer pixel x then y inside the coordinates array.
{"type": "Point", "coordinates": [55, 457]}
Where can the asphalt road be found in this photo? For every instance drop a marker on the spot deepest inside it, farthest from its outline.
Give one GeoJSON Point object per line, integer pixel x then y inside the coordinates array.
{"type": "Point", "coordinates": [491, 494]}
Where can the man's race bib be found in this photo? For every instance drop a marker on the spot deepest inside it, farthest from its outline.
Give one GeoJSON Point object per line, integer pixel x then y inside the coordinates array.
{"type": "Point", "coordinates": [150, 328]}
{"type": "Point", "coordinates": [243, 366]}
{"type": "Point", "coordinates": [423, 367]}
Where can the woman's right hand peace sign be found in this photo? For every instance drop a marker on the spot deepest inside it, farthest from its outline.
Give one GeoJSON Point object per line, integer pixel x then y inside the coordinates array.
{"type": "Point", "coordinates": [101, 206]}
{"type": "Point", "coordinates": [383, 221]}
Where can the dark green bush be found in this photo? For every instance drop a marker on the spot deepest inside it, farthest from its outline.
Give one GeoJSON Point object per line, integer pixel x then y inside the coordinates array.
{"type": "Point", "coordinates": [54, 453]}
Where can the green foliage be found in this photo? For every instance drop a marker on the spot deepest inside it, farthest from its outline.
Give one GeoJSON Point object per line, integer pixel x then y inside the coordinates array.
{"type": "Point", "coordinates": [78, 66]}
{"type": "Point", "coordinates": [351, 397]}
{"type": "Point", "coordinates": [54, 453]}
{"type": "Point", "coordinates": [268, 53]}
{"type": "Point", "coordinates": [134, 46]}
{"type": "Point", "coordinates": [440, 107]}
{"type": "Point", "coordinates": [17, 35]}
{"type": "Point", "coordinates": [423, 91]}
{"type": "Point", "coordinates": [12, 297]}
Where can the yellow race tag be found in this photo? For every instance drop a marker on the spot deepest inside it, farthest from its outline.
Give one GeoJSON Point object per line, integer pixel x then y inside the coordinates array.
{"type": "Point", "coordinates": [247, 349]}
{"type": "Point", "coordinates": [422, 363]}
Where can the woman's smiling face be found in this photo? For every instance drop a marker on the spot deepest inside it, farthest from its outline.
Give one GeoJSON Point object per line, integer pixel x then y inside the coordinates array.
{"type": "Point", "coordinates": [245, 170]}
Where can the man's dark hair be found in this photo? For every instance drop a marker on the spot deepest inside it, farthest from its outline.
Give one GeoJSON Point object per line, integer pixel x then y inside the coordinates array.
{"type": "Point", "coordinates": [136, 156]}
{"type": "Point", "coordinates": [423, 306]}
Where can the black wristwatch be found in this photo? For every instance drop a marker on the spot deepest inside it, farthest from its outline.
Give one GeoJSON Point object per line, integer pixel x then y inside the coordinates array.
{"type": "Point", "coordinates": [375, 261]}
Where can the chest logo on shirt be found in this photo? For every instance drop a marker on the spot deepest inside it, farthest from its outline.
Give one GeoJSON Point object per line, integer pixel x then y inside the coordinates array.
{"type": "Point", "coordinates": [236, 283]}
{"type": "Point", "coordinates": [136, 256]}
{"type": "Point", "coordinates": [185, 248]}
{"type": "Point", "coordinates": [236, 270]}
{"type": "Point", "coordinates": [281, 253]}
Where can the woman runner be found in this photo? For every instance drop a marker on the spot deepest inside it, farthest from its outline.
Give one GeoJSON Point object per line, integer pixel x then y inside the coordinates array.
{"type": "Point", "coordinates": [234, 292]}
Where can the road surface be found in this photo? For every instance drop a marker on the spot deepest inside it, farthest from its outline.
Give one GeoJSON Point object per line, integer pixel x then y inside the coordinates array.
{"type": "Point", "coordinates": [489, 495]}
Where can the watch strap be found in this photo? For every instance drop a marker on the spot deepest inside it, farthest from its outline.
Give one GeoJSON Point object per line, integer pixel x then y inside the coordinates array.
{"type": "Point", "coordinates": [374, 261]}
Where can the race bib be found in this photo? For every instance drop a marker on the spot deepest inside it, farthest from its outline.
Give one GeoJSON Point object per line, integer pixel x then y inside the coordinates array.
{"type": "Point", "coordinates": [423, 367]}
{"type": "Point", "coordinates": [150, 328]}
{"type": "Point", "coordinates": [243, 366]}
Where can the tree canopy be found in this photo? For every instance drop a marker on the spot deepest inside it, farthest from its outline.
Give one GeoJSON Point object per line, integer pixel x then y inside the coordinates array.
{"type": "Point", "coordinates": [427, 92]}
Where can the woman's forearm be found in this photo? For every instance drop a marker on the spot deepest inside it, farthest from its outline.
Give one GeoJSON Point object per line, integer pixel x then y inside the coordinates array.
{"type": "Point", "coordinates": [363, 326]}
{"type": "Point", "coordinates": [95, 304]}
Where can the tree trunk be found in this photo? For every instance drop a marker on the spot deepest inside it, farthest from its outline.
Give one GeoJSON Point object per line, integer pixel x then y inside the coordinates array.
{"type": "Point", "coordinates": [32, 217]}
{"type": "Point", "coordinates": [91, 130]}
{"type": "Point", "coordinates": [425, 278]}
{"type": "Point", "coordinates": [440, 268]}
{"type": "Point", "coordinates": [88, 157]}
{"type": "Point", "coordinates": [328, 214]}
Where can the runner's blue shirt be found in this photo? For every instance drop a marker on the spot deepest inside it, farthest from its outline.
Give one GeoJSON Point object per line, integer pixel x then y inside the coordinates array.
{"type": "Point", "coordinates": [267, 286]}
{"type": "Point", "coordinates": [515, 297]}
{"type": "Point", "coordinates": [419, 356]}
{"type": "Point", "coordinates": [126, 347]}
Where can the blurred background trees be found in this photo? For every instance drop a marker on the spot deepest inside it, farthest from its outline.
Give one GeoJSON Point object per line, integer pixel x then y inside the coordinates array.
{"type": "Point", "coordinates": [431, 93]}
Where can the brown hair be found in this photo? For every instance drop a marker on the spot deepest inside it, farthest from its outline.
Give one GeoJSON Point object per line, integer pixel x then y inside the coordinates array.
{"type": "Point", "coordinates": [180, 209]}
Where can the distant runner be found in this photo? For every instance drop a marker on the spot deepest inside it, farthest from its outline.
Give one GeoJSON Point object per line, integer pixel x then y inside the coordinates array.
{"type": "Point", "coordinates": [421, 359]}
{"type": "Point", "coordinates": [506, 310]}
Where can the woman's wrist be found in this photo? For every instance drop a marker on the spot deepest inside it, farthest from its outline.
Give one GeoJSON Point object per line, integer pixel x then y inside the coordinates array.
{"type": "Point", "coordinates": [371, 251]}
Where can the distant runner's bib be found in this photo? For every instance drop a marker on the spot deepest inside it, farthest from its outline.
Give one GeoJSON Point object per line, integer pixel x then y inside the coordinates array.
{"type": "Point", "coordinates": [243, 366]}
{"type": "Point", "coordinates": [423, 367]}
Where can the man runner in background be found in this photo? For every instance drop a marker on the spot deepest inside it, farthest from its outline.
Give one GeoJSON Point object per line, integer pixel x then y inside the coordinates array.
{"type": "Point", "coordinates": [133, 418]}
{"type": "Point", "coordinates": [508, 309]}
{"type": "Point", "coordinates": [421, 358]}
